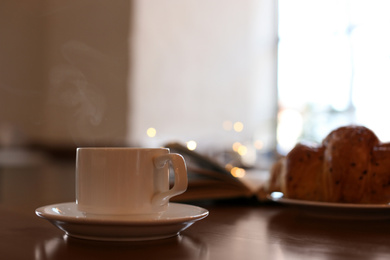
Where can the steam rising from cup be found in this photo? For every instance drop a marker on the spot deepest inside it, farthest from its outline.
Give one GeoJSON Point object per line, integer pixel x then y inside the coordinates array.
{"type": "Point", "coordinates": [72, 87]}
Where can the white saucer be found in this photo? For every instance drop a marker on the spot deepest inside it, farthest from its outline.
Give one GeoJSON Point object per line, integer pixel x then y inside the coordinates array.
{"type": "Point", "coordinates": [335, 210]}
{"type": "Point", "coordinates": [74, 223]}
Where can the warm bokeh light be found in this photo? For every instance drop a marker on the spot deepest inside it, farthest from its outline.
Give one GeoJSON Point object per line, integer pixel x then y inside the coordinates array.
{"type": "Point", "coordinates": [239, 148]}
{"type": "Point", "coordinates": [258, 144]}
{"type": "Point", "coordinates": [236, 146]}
{"type": "Point", "coordinates": [238, 126]}
{"type": "Point", "coordinates": [227, 125]}
{"type": "Point", "coordinates": [242, 150]}
{"type": "Point", "coordinates": [228, 167]}
{"type": "Point", "coordinates": [151, 132]}
{"type": "Point", "coordinates": [191, 145]}
{"type": "Point", "coordinates": [237, 172]}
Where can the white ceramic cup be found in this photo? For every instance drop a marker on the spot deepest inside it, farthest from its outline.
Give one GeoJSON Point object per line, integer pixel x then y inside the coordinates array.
{"type": "Point", "coordinates": [127, 181]}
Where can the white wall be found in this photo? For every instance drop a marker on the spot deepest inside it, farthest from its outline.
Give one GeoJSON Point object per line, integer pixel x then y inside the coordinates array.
{"type": "Point", "coordinates": [197, 63]}
{"type": "Point", "coordinates": [85, 72]}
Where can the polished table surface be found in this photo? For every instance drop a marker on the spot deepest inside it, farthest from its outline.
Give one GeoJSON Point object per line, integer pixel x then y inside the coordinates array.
{"type": "Point", "coordinates": [239, 229]}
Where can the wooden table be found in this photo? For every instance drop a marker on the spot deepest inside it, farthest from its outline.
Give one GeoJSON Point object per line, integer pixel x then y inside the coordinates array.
{"type": "Point", "coordinates": [233, 230]}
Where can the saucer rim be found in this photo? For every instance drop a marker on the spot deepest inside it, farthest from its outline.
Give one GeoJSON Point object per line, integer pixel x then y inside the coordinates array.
{"type": "Point", "coordinates": [51, 216]}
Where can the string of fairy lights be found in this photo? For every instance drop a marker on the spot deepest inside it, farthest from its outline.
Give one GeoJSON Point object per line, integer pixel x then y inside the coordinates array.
{"type": "Point", "coordinates": [237, 147]}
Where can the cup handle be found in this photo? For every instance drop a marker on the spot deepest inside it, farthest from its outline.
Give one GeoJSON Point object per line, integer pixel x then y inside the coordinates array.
{"type": "Point", "coordinates": [181, 180]}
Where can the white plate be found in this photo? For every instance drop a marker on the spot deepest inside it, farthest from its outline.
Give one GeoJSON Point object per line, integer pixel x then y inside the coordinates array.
{"type": "Point", "coordinates": [74, 223]}
{"type": "Point", "coordinates": [335, 210]}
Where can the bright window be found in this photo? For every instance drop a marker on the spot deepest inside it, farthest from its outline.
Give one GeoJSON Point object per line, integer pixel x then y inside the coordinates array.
{"type": "Point", "coordinates": [333, 68]}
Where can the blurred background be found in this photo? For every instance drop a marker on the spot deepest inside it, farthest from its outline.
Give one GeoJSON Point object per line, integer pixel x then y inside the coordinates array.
{"type": "Point", "coordinates": [249, 77]}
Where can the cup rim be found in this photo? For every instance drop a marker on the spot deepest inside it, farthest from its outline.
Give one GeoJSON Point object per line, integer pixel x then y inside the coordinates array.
{"type": "Point", "coordinates": [123, 148]}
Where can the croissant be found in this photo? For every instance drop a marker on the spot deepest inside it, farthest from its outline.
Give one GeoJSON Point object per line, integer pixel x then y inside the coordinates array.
{"type": "Point", "coordinates": [351, 165]}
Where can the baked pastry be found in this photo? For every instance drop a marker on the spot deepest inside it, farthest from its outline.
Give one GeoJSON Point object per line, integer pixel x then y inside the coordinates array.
{"type": "Point", "coordinates": [303, 173]}
{"type": "Point", "coordinates": [351, 165]}
{"type": "Point", "coordinates": [379, 184]}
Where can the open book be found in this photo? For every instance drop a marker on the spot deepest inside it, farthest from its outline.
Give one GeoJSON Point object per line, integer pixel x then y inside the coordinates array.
{"type": "Point", "coordinates": [208, 179]}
